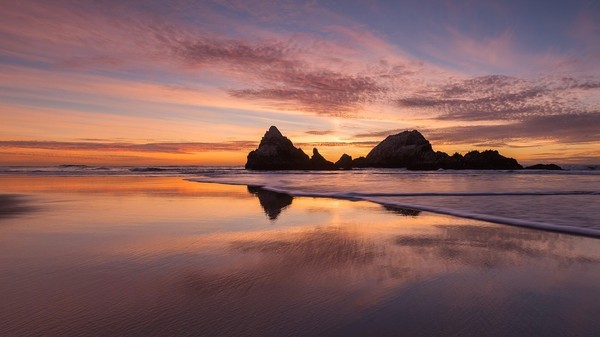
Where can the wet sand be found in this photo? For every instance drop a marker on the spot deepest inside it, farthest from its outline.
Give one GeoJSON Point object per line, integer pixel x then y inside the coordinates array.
{"type": "Point", "coordinates": [163, 256]}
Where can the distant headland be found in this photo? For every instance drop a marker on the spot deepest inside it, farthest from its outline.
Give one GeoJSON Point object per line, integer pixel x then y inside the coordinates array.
{"type": "Point", "coordinates": [408, 149]}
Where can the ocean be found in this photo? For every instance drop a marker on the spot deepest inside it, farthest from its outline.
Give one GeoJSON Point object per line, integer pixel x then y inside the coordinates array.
{"type": "Point", "coordinates": [565, 201]}
{"type": "Point", "coordinates": [203, 251]}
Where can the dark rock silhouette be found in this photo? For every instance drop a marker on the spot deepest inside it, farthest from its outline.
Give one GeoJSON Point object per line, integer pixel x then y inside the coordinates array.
{"type": "Point", "coordinates": [344, 163]}
{"type": "Point", "coordinates": [401, 210]}
{"type": "Point", "coordinates": [489, 160]}
{"type": "Point", "coordinates": [544, 167]}
{"type": "Point", "coordinates": [360, 162]}
{"type": "Point", "coordinates": [408, 149]}
{"type": "Point", "coordinates": [404, 149]}
{"type": "Point", "coordinates": [277, 152]}
{"type": "Point", "coordinates": [272, 202]}
{"type": "Point", "coordinates": [318, 162]}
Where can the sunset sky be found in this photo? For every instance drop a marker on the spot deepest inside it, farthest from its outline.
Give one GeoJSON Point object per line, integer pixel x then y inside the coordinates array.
{"type": "Point", "coordinates": [199, 82]}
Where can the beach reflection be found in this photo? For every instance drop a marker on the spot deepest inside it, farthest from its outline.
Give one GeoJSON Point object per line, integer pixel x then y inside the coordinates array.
{"type": "Point", "coordinates": [163, 256]}
{"type": "Point", "coordinates": [272, 202]}
{"type": "Point", "coordinates": [13, 205]}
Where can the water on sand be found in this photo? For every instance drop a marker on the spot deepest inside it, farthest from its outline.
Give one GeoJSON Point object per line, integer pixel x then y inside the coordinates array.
{"type": "Point", "coordinates": [164, 256]}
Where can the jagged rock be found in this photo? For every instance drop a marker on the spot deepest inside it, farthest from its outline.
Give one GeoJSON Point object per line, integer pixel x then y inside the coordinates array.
{"type": "Point", "coordinates": [345, 162]}
{"type": "Point", "coordinates": [318, 162]}
{"type": "Point", "coordinates": [489, 160]}
{"type": "Point", "coordinates": [277, 152]}
{"type": "Point", "coordinates": [408, 149]}
{"type": "Point", "coordinates": [544, 167]}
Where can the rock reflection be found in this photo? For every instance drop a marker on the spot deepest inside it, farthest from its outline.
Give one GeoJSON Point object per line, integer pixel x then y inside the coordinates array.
{"type": "Point", "coordinates": [272, 202]}
{"type": "Point", "coordinates": [13, 205]}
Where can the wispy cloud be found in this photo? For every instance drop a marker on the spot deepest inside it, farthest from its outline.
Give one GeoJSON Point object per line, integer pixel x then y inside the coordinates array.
{"type": "Point", "coordinates": [378, 134]}
{"type": "Point", "coordinates": [321, 145]}
{"type": "Point", "coordinates": [166, 147]}
{"type": "Point", "coordinates": [282, 79]}
{"type": "Point", "coordinates": [494, 98]}
{"type": "Point", "coordinates": [233, 53]}
{"type": "Point", "coordinates": [322, 92]}
{"type": "Point", "coordinates": [319, 132]}
{"type": "Point", "coordinates": [563, 128]}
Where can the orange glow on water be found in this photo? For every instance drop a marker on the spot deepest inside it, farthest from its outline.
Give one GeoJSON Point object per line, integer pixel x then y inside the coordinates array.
{"type": "Point", "coordinates": [93, 246]}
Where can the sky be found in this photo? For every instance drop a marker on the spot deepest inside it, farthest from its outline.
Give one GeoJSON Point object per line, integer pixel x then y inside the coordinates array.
{"type": "Point", "coordinates": [199, 82]}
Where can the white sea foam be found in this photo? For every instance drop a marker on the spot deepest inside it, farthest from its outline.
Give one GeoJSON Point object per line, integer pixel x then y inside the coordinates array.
{"type": "Point", "coordinates": [560, 202]}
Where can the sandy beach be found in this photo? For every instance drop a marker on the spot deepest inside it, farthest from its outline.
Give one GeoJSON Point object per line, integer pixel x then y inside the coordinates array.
{"type": "Point", "coordinates": [141, 256]}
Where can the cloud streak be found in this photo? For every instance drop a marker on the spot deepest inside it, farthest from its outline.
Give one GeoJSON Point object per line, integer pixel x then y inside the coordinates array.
{"type": "Point", "coordinates": [502, 98]}
{"type": "Point", "coordinates": [163, 147]}
{"type": "Point", "coordinates": [565, 129]}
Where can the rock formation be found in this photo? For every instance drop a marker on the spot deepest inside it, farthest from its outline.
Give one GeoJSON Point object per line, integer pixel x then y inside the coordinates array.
{"type": "Point", "coordinates": [318, 162]}
{"type": "Point", "coordinates": [552, 167]}
{"type": "Point", "coordinates": [360, 162]}
{"type": "Point", "coordinates": [344, 163]}
{"type": "Point", "coordinates": [408, 149]}
{"type": "Point", "coordinates": [277, 152]}
{"type": "Point", "coordinates": [489, 160]}
{"type": "Point", "coordinates": [405, 149]}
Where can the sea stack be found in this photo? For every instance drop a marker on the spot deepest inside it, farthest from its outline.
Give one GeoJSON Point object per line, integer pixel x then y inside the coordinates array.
{"type": "Point", "coordinates": [403, 150]}
{"type": "Point", "coordinates": [277, 152]}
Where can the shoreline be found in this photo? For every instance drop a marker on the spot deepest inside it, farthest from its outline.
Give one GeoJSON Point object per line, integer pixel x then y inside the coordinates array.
{"type": "Point", "coordinates": [382, 199]}
{"type": "Point", "coordinates": [572, 230]}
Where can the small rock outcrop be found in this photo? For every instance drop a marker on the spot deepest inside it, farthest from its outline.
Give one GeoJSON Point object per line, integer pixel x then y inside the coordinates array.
{"type": "Point", "coordinates": [344, 163]}
{"type": "Point", "coordinates": [318, 162]}
{"type": "Point", "coordinates": [277, 152]}
{"type": "Point", "coordinates": [489, 160]}
{"type": "Point", "coordinates": [360, 162]}
{"type": "Point", "coordinates": [552, 167]}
